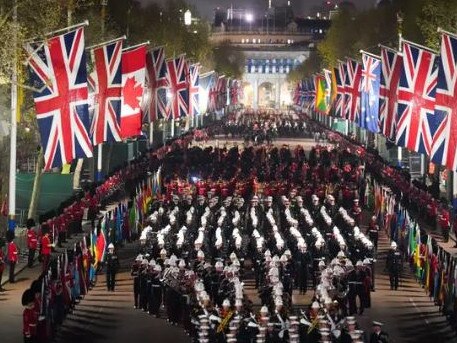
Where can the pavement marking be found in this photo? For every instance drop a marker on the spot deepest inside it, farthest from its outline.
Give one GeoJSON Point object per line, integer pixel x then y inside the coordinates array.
{"type": "Point", "coordinates": [419, 311]}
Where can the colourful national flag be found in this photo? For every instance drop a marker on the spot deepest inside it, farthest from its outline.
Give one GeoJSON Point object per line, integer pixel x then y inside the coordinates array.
{"type": "Point", "coordinates": [333, 87]}
{"type": "Point", "coordinates": [369, 93]}
{"type": "Point", "coordinates": [321, 99]}
{"type": "Point", "coordinates": [133, 77]}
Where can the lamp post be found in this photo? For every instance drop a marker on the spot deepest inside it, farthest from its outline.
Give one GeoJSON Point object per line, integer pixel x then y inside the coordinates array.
{"type": "Point", "coordinates": [188, 18]}
{"type": "Point", "coordinates": [13, 133]}
{"type": "Point", "coordinates": [249, 18]}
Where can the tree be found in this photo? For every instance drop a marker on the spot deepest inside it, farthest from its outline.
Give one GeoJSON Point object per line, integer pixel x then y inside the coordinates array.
{"type": "Point", "coordinates": [352, 31]}
{"type": "Point", "coordinates": [437, 13]}
{"type": "Point", "coordinates": [228, 61]}
{"type": "Point", "coordinates": [312, 65]}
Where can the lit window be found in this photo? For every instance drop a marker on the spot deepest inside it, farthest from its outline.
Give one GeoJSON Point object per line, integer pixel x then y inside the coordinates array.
{"type": "Point", "coordinates": [242, 41]}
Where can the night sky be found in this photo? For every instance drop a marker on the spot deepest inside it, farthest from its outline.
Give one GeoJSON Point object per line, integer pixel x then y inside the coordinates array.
{"type": "Point", "coordinates": [301, 7]}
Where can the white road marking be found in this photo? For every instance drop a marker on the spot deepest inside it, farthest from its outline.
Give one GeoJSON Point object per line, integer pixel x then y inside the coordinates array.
{"type": "Point", "coordinates": [418, 310]}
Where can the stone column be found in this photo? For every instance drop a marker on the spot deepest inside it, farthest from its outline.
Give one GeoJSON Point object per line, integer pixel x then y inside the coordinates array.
{"type": "Point", "coordinates": [278, 93]}
{"type": "Point", "coordinates": [255, 105]}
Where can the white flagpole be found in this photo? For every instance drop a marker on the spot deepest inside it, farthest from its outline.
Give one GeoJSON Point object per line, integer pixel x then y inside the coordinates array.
{"type": "Point", "coordinates": [13, 133]}
{"type": "Point", "coordinates": [400, 44]}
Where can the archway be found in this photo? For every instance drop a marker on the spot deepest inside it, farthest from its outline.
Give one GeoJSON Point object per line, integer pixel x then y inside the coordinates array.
{"type": "Point", "coordinates": [267, 94]}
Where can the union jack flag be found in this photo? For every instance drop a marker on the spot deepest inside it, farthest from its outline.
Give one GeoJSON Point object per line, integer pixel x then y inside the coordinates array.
{"type": "Point", "coordinates": [303, 92]}
{"type": "Point", "coordinates": [157, 83]}
{"type": "Point", "coordinates": [416, 98]}
{"type": "Point", "coordinates": [194, 81]}
{"type": "Point", "coordinates": [212, 93]}
{"type": "Point", "coordinates": [297, 93]}
{"type": "Point", "coordinates": [444, 147]}
{"type": "Point", "coordinates": [235, 92]}
{"type": "Point", "coordinates": [369, 93]}
{"type": "Point", "coordinates": [106, 82]}
{"type": "Point", "coordinates": [58, 69]}
{"type": "Point", "coordinates": [391, 62]}
{"type": "Point", "coordinates": [340, 82]}
{"type": "Point", "coordinates": [311, 94]}
{"type": "Point", "coordinates": [204, 89]}
{"type": "Point", "coordinates": [352, 90]}
{"type": "Point", "coordinates": [177, 70]}
{"type": "Point", "coordinates": [221, 93]}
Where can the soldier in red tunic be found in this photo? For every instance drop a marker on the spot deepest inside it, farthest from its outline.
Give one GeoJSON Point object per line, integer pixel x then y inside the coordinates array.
{"type": "Point", "coordinates": [46, 247]}
{"type": "Point", "coordinates": [29, 316]}
{"type": "Point", "coordinates": [12, 252]}
{"type": "Point", "coordinates": [445, 224]}
{"type": "Point", "coordinates": [32, 241]}
{"type": "Point", "coordinates": [2, 266]}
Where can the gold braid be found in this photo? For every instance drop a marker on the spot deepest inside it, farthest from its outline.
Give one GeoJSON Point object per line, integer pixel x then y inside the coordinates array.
{"type": "Point", "coordinates": [314, 323]}
{"type": "Point", "coordinates": [224, 322]}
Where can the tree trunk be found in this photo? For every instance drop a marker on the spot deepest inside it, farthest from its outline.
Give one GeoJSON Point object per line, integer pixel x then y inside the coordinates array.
{"type": "Point", "coordinates": [77, 173]}
{"type": "Point", "coordinates": [108, 157]}
{"type": "Point", "coordinates": [36, 186]}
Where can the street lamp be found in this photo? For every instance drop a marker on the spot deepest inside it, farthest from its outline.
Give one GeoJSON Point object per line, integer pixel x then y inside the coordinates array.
{"type": "Point", "coordinates": [188, 18]}
{"type": "Point", "coordinates": [249, 18]}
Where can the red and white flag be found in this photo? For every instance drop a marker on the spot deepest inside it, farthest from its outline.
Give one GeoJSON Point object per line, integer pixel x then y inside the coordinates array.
{"type": "Point", "coordinates": [133, 77]}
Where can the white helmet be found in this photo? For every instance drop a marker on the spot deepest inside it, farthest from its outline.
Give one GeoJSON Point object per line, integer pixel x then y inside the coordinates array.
{"type": "Point", "coordinates": [111, 246]}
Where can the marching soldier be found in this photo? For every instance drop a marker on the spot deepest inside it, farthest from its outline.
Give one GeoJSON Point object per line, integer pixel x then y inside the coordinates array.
{"type": "Point", "coordinates": [112, 267]}
{"type": "Point", "coordinates": [156, 291]}
{"type": "Point", "coordinates": [393, 265]}
{"type": "Point", "coordinates": [373, 232]}
{"type": "Point", "coordinates": [143, 280]}
{"type": "Point", "coordinates": [378, 336]}
{"type": "Point", "coordinates": [302, 261]}
{"type": "Point", "coordinates": [135, 273]}
{"type": "Point", "coordinates": [361, 286]}
{"type": "Point", "coordinates": [280, 323]}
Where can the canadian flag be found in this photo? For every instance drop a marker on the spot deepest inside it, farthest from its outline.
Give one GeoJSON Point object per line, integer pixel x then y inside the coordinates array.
{"type": "Point", "coordinates": [133, 78]}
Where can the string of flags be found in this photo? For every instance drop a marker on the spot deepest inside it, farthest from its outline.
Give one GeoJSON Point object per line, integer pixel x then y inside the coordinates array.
{"type": "Point", "coordinates": [410, 97]}
{"type": "Point", "coordinates": [77, 110]}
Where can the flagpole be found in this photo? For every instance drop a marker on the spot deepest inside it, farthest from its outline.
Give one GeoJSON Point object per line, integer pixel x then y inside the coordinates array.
{"type": "Point", "coordinates": [135, 46]}
{"type": "Point", "coordinates": [13, 133]}
{"type": "Point", "coordinates": [106, 43]}
{"type": "Point", "coordinates": [51, 33]}
{"type": "Point", "coordinates": [99, 176]}
{"type": "Point", "coordinates": [400, 39]}
{"type": "Point", "coordinates": [370, 54]}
